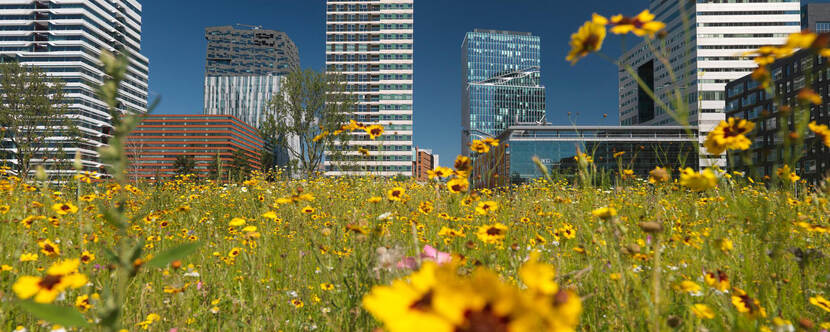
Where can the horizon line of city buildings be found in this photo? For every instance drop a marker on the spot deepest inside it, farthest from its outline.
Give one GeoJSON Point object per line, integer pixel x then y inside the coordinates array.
{"type": "Point", "coordinates": [371, 43]}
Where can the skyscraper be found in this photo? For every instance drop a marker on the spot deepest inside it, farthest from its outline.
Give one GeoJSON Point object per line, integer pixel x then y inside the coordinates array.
{"type": "Point", "coordinates": [244, 68]}
{"type": "Point", "coordinates": [370, 42]}
{"type": "Point", "coordinates": [816, 17]}
{"type": "Point", "coordinates": [501, 83]}
{"type": "Point", "coordinates": [705, 53]}
{"type": "Point", "coordinates": [65, 39]}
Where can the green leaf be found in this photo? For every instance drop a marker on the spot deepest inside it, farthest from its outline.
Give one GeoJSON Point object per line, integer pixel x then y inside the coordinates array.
{"type": "Point", "coordinates": [177, 253]}
{"type": "Point", "coordinates": [64, 316]}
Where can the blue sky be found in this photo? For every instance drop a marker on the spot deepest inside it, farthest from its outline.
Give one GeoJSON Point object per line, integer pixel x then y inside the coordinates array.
{"type": "Point", "coordinates": [173, 39]}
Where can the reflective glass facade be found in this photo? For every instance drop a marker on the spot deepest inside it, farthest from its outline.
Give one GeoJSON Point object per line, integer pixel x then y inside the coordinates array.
{"type": "Point", "coordinates": [236, 52]}
{"type": "Point", "coordinates": [501, 82]}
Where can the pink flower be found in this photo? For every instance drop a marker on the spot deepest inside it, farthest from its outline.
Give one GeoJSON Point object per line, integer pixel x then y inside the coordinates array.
{"type": "Point", "coordinates": [429, 253]}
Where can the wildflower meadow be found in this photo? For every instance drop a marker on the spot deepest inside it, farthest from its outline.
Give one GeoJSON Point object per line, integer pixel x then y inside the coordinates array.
{"type": "Point", "coordinates": [679, 249]}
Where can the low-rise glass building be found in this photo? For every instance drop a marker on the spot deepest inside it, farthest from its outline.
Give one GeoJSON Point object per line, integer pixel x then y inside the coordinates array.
{"type": "Point", "coordinates": [643, 148]}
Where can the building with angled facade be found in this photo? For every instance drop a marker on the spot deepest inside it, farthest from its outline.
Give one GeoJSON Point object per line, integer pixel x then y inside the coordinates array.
{"type": "Point", "coordinates": [371, 44]}
{"type": "Point", "coordinates": [244, 68]}
{"type": "Point", "coordinates": [703, 60]}
{"type": "Point", "coordinates": [160, 139]}
{"type": "Point", "coordinates": [816, 17]}
{"type": "Point", "coordinates": [65, 39]}
{"type": "Point", "coordinates": [643, 147]}
{"type": "Point", "coordinates": [501, 83]}
{"type": "Point", "coordinates": [746, 99]}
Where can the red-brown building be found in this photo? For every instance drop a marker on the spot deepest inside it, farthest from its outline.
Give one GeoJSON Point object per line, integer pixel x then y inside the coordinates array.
{"type": "Point", "coordinates": [424, 162]}
{"type": "Point", "coordinates": [159, 140]}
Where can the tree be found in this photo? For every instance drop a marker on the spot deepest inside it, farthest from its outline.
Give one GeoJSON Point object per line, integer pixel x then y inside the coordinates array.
{"type": "Point", "coordinates": [34, 118]}
{"type": "Point", "coordinates": [184, 165]}
{"type": "Point", "coordinates": [240, 168]}
{"type": "Point", "coordinates": [306, 116]}
{"type": "Point", "coordinates": [215, 169]}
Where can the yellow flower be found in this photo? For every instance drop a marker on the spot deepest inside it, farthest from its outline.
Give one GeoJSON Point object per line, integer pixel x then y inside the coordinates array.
{"type": "Point", "coordinates": [87, 257]}
{"type": "Point", "coordinates": [730, 134]}
{"type": "Point", "coordinates": [82, 303]}
{"type": "Point", "coordinates": [801, 39]}
{"type": "Point", "coordinates": [491, 141]}
{"type": "Point", "coordinates": [688, 286]}
{"type": "Point", "coordinates": [395, 194]}
{"type": "Point", "coordinates": [49, 248]}
{"type": "Point", "coordinates": [375, 199]}
{"type": "Point", "coordinates": [698, 181]}
{"type": "Point", "coordinates": [807, 95]}
{"type": "Point", "coordinates": [235, 222]}
{"type": "Point", "coordinates": [270, 215]}
{"type": "Point", "coordinates": [374, 131]}
{"type": "Point", "coordinates": [59, 277]}
{"type": "Point", "coordinates": [463, 164]}
{"type": "Point", "coordinates": [484, 208]}
{"type": "Point", "coordinates": [234, 252]}
{"type": "Point", "coordinates": [439, 172]}
{"type": "Point", "coordinates": [297, 303]}
{"type": "Point", "coordinates": [64, 208]}
{"type": "Point", "coordinates": [28, 257]}
{"type": "Point", "coordinates": [719, 281]}
{"type": "Point", "coordinates": [605, 213]}
{"type": "Point", "coordinates": [703, 311]}
{"type": "Point", "coordinates": [326, 286]}
{"type": "Point", "coordinates": [479, 147]}
{"type": "Point", "coordinates": [151, 318]}
{"type": "Point", "coordinates": [820, 302]}
{"type": "Point", "coordinates": [4, 209]}
{"type": "Point", "coordinates": [786, 173]}
{"type": "Point", "coordinates": [425, 207]}
{"type": "Point", "coordinates": [492, 234]}
{"type": "Point", "coordinates": [363, 151]}
{"type": "Point", "coordinates": [538, 277]}
{"type": "Point", "coordinates": [724, 244]}
{"type": "Point", "coordinates": [641, 25]}
{"type": "Point", "coordinates": [659, 175]}
{"type": "Point", "coordinates": [307, 210]}
{"type": "Point", "coordinates": [822, 132]}
{"type": "Point", "coordinates": [586, 40]}
{"type": "Point", "coordinates": [747, 305]}
{"type": "Point", "coordinates": [320, 136]}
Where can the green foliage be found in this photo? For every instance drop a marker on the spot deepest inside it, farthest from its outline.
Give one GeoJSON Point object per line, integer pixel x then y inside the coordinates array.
{"type": "Point", "coordinates": [184, 165]}
{"type": "Point", "coordinates": [67, 317]}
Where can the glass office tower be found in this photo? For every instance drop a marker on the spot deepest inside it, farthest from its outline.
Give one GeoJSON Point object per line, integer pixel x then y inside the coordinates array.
{"type": "Point", "coordinates": [501, 83]}
{"type": "Point", "coordinates": [65, 38]}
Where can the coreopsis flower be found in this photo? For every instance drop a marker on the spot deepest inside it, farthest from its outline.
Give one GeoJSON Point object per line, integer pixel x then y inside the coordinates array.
{"type": "Point", "coordinates": [425, 207]}
{"type": "Point", "coordinates": [4, 209]}
{"type": "Point", "coordinates": [492, 234]}
{"type": "Point", "coordinates": [719, 280]}
{"type": "Point", "coordinates": [746, 305]}
{"type": "Point", "coordinates": [786, 173]}
{"type": "Point", "coordinates": [724, 245]}
{"type": "Point", "coordinates": [307, 209]}
{"type": "Point", "coordinates": [587, 39]}
{"type": "Point", "coordinates": [320, 136]}
{"type": "Point", "coordinates": [703, 311]}
{"type": "Point", "coordinates": [658, 175]}
{"type": "Point", "coordinates": [28, 257]}
{"type": "Point", "coordinates": [326, 286]}
{"type": "Point", "coordinates": [439, 172]}
{"type": "Point", "coordinates": [463, 164]}
{"type": "Point", "coordinates": [64, 208]}
{"type": "Point", "coordinates": [363, 151]}
{"type": "Point", "coordinates": [297, 303]}
{"type": "Point", "coordinates": [479, 147]}
{"type": "Point", "coordinates": [730, 134]}
{"type": "Point", "coordinates": [49, 248]}
{"type": "Point", "coordinates": [151, 318]}
{"type": "Point", "coordinates": [82, 303]}
{"type": "Point", "coordinates": [234, 252]}
{"type": "Point", "coordinates": [807, 95]}
{"type": "Point", "coordinates": [59, 277]}
{"type": "Point", "coordinates": [270, 215]}
{"type": "Point", "coordinates": [458, 185]}
{"type": "Point", "coordinates": [374, 131]}
{"type": "Point", "coordinates": [801, 39]}
{"type": "Point", "coordinates": [395, 194]}
{"type": "Point", "coordinates": [491, 141]}
{"type": "Point", "coordinates": [695, 181]}
{"type": "Point", "coordinates": [87, 257]}
{"type": "Point", "coordinates": [375, 199]}
{"type": "Point", "coordinates": [821, 131]}
{"type": "Point", "coordinates": [538, 277]}
{"type": "Point", "coordinates": [688, 286]}
{"type": "Point", "coordinates": [487, 207]}
{"type": "Point", "coordinates": [820, 302]}
{"type": "Point", "coordinates": [605, 213]}
{"type": "Point", "coordinates": [449, 232]}
{"type": "Point", "coordinates": [641, 25]}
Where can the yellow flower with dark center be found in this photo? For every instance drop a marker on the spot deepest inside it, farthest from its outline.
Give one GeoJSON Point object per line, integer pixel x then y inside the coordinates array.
{"type": "Point", "coordinates": [641, 25]}
{"type": "Point", "coordinates": [786, 173]}
{"type": "Point", "coordinates": [492, 234]}
{"type": "Point", "coordinates": [59, 277]}
{"type": "Point", "coordinates": [425, 207]}
{"type": "Point", "coordinates": [587, 39]}
{"type": "Point", "coordinates": [730, 134]}
{"type": "Point", "coordinates": [88, 198]}
{"type": "Point", "coordinates": [439, 172]}
{"type": "Point", "coordinates": [82, 303]}
{"type": "Point", "coordinates": [87, 257]}
{"type": "Point", "coordinates": [703, 311]}
{"type": "Point", "coordinates": [807, 95]}
{"type": "Point", "coordinates": [463, 164]}
{"type": "Point", "coordinates": [719, 280]}
{"type": "Point", "coordinates": [479, 147]}
{"type": "Point", "coordinates": [363, 151]}
{"type": "Point", "coordinates": [491, 141]}
{"type": "Point", "coordinates": [49, 248]}
{"type": "Point", "coordinates": [458, 185]}
{"type": "Point", "coordinates": [820, 302]}
{"type": "Point", "coordinates": [307, 210]}
{"type": "Point", "coordinates": [326, 286]}
{"type": "Point", "coordinates": [374, 131]}
{"type": "Point", "coordinates": [747, 305]}
{"type": "Point", "coordinates": [395, 194]}
{"type": "Point", "coordinates": [446, 231]}
{"type": "Point", "coordinates": [695, 181]}
{"type": "Point", "coordinates": [64, 208]}
{"type": "Point", "coordinates": [487, 207]}
{"type": "Point", "coordinates": [4, 209]}
{"type": "Point", "coordinates": [234, 252]}
{"type": "Point", "coordinates": [320, 136]}
{"type": "Point", "coordinates": [821, 131]}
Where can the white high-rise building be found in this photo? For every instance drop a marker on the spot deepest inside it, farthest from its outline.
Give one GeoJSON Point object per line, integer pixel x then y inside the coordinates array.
{"type": "Point", "coordinates": [370, 42]}
{"type": "Point", "coordinates": [65, 39]}
{"type": "Point", "coordinates": [705, 53]}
